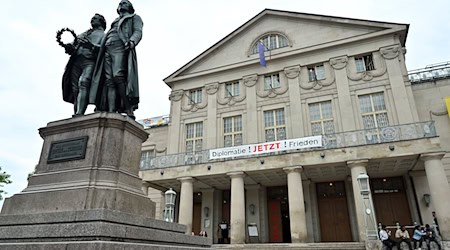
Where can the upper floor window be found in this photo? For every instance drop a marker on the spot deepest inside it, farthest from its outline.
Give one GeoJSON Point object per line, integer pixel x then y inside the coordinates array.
{"type": "Point", "coordinates": [272, 81]}
{"type": "Point", "coordinates": [321, 118]}
{"type": "Point", "coordinates": [316, 72]}
{"type": "Point", "coordinates": [195, 96]}
{"type": "Point", "coordinates": [373, 110]}
{"type": "Point", "coordinates": [364, 63]}
{"type": "Point", "coordinates": [270, 42]}
{"type": "Point", "coordinates": [194, 137]}
{"type": "Point", "coordinates": [147, 158]}
{"type": "Point", "coordinates": [232, 131]}
{"type": "Point", "coordinates": [275, 125]}
{"type": "Point", "coordinates": [232, 89]}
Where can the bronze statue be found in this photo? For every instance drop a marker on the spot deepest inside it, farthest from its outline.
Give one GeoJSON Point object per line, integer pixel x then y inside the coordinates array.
{"type": "Point", "coordinates": [78, 73]}
{"type": "Point", "coordinates": [115, 85]}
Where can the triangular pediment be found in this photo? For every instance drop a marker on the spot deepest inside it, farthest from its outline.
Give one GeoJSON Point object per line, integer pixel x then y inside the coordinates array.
{"type": "Point", "coordinates": [303, 31]}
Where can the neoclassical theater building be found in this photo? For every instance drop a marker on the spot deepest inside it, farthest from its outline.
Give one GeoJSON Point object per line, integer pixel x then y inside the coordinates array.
{"type": "Point", "coordinates": [276, 151]}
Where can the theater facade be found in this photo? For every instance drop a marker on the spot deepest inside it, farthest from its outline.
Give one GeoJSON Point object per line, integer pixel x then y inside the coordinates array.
{"type": "Point", "coordinates": [277, 151]}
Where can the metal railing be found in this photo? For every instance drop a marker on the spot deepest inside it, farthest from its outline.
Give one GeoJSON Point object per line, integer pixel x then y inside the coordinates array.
{"type": "Point", "coordinates": [363, 137]}
{"type": "Point", "coordinates": [430, 73]}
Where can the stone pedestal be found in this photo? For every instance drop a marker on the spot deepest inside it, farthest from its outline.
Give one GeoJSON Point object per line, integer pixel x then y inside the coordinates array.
{"type": "Point", "coordinates": [86, 192]}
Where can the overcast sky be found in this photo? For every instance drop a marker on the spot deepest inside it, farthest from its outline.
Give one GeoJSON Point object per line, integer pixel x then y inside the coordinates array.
{"type": "Point", "coordinates": [175, 31]}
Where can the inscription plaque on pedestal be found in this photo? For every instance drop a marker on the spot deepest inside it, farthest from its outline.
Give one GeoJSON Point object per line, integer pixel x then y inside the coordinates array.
{"type": "Point", "coordinates": [68, 150]}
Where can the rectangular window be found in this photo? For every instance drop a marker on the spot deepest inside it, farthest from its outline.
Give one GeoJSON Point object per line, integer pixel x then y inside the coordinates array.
{"type": "Point", "coordinates": [232, 131]}
{"type": "Point", "coordinates": [364, 63]}
{"type": "Point", "coordinates": [322, 121]}
{"type": "Point", "coordinates": [195, 96]}
{"type": "Point", "coordinates": [274, 125]}
{"type": "Point", "coordinates": [232, 89]}
{"type": "Point", "coordinates": [374, 114]}
{"type": "Point", "coordinates": [194, 137]}
{"type": "Point", "coordinates": [272, 81]}
{"type": "Point", "coordinates": [316, 73]}
{"type": "Point", "coordinates": [147, 158]}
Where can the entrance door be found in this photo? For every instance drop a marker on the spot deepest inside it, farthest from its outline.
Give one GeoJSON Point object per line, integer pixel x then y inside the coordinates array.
{"type": "Point", "coordinates": [333, 212]}
{"type": "Point", "coordinates": [390, 201]}
{"type": "Point", "coordinates": [197, 213]}
{"type": "Point", "coordinates": [278, 212]}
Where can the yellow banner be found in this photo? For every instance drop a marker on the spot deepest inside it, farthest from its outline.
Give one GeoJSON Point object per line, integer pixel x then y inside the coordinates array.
{"type": "Point", "coordinates": [447, 103]}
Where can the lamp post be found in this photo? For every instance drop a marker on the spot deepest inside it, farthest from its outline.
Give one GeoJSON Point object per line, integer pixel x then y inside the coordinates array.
{"type": "Point", "coordinates": [369, 213]}
{"type": "Point", "coordinates": [169, 212]}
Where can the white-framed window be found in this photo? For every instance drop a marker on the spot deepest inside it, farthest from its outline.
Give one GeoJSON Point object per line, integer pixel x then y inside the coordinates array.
{"type": "Point", "coordinates": [194, 137]}
{"type": "Point", "coordinates": [373, 110]}
{"type": "Point", "coordinates": [274, 125]}
{"type": "Point", "coordinates": [232, 131]}
{"type": "Point", "coordinates": [272, 81]}
{"type": "Point", "coordinates": [321, 118]}
{"type": "Point", "coordinates": [316, 72]}
{"type": "Point", "coordinates": [364, 63]}
{"type": "Point", "coordinates": [374, 114]}
{"type": "Point", "coordinates": [195, 96]}
{"type": "Point", "coordinates": [271, 42]}
{"type": "Point", "coordinates": [147, 157]}
{"type": "Point", "coordinates": [232, 89]}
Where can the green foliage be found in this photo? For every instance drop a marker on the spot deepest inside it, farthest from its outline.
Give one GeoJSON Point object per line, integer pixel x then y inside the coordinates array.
{"type": "Point", "coordinates": [4, 179]}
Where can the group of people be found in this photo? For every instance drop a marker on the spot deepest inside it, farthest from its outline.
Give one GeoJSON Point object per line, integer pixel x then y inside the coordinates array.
{"type": "Point", "coordinates": [102, 69]}
{"type": "Point", "coordinates": [420, 234]}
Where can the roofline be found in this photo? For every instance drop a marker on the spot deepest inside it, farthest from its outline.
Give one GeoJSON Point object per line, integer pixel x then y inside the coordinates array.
{"type": "Point", "coordinates": [403, 40]}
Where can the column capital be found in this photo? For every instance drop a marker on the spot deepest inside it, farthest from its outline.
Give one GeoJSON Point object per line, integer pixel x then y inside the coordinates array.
{"type": "Point", "coordinates": [239, 174]}
{"type": "Point", "coordinates": [298, 169]}
{"type": "Point", "coordinates": [432, 156]}
{"type": "Point", "coordinates": [185, 179]}
{"type": "Point", "coordinates": [357, 163]}
{"type": "Point", "coordinates": [292, 72]}
{"type": "Point", "coordinates": [145, 184]}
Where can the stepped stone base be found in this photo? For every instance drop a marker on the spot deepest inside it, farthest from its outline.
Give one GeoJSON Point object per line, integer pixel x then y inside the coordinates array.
{"type": "Point", "coordinates": [86, 193]}
{"type": "Point", "coordinates": [94, 229]}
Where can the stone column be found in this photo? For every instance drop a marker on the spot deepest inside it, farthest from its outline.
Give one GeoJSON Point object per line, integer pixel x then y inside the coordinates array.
{"type": "Point", "coordinates": [252, 115]}
{"type": "Point", "coordinates": [296, 204]}
{"type": "Point", "coordinates": [211, 123]}
{"type": "Point", "coordinates": [343, 89]}
{"type": "Point", "coordinates": [439, 190]}
{"type": "Point", "coordinates": [237, 210]}
{"type": "Point", "coordinates": [402, 103]}
{"type": "Point", "coordinates": [186, 203]}
{"type": "Point", "coordinates": [292, 75]}
{"type": "Point", "coordinates": [175, 121]}
{"type": "Point", "coordinates": [358, 167]}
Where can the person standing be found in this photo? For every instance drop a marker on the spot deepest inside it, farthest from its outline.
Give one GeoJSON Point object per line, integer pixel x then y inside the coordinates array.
{"type": "Point", "coordinates": [78, 73]}
{"type": "Point", "coordinates": [436, 222]}
{"type": "Point", "coordinates": [115, 86]}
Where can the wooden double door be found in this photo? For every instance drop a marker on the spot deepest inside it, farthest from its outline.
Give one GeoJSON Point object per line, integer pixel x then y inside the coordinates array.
{"type": "Point", "coordinates": [390, 201]}
{"type": "Point", "coordinates": [333, 212]}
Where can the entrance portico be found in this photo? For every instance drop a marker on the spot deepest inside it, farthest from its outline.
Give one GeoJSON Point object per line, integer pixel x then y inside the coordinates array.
{"type": "Point", "coordinates": [256, 176]}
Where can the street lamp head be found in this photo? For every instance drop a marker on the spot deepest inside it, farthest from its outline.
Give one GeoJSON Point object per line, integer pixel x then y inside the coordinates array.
{"type": "Point", "coordinates": [170, 196]}
{"type": "Point", "coordinates": [363, 181]}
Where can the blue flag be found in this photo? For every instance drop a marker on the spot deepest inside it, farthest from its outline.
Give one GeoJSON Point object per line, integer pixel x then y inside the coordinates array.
{"type": "Point", "coordinates": [262, 58]}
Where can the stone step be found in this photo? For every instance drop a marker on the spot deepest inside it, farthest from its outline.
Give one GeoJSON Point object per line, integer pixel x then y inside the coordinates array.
{"type": "Point", "coordinates": [314, 246]}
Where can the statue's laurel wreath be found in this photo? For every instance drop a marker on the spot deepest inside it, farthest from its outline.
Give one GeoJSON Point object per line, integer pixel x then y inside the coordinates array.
{"type": "Point", "coordinates": [60, 32]}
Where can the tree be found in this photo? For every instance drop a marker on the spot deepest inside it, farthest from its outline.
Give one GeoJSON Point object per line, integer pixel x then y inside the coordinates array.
{"type": "Point", "coordinates": [4, 179]}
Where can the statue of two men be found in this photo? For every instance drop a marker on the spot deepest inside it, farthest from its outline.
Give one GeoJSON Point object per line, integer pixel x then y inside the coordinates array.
{"type": "Point", "coordinates": [113, 85]}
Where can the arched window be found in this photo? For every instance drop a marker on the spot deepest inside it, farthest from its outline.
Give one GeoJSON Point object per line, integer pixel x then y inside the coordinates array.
{"type": "Point", "coordinates": [271, 42]}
